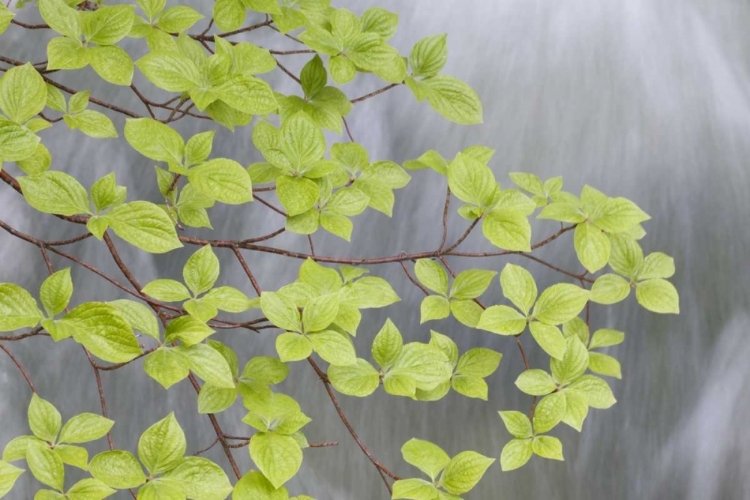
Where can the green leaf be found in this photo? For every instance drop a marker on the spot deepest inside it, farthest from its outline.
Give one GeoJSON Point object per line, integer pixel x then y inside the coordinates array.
{"type": "Point", "coordinates": [548, 447]}
{"type": "Point", "coordinates": [320, 312]}
{"type": "Point", "coordinates": [248, 95]}
{"type": "Point", "coordinates": [471, 180]}
{"type": "Point", "coordinates": [85, 427]}
{"type": "Point", "coordinates": [515, 454]}
{"type": "Point", "coordinates": [597, 391]}
{"type": "Point", "coordinates": [606, 337]}
{"type": "Point", "coordinates": [337, 224]}
{"type": "Point", "coordinates": [38, 162]}
{"type": "Point", "coordinates": [18, 308]}
{"type": "Point", "coordinates": [453, 99]}
{"type": "Point", "coordinates": [117, 469]}
{"type": "Point", "coordinates": [425, 364]}
{"type": "Point", "coordinates": [434, 307]}
{"type": "Point", "coordinates": [333, 347]}
{"type": "Point", "coordinates": [426, 456]}
{"type": "Point", "coordinates": [467, 312]}
{"type": "Point", "coordinates": [574, 361]}
{"type": "Point", "coordinates": [154, 140]}
{"type": "Point", "coordinates": [313, 76]}
{"type": "Point", "coordinates": [265, 370]}
{"type": "Point", "coordinates": [301, 141]}
{"type": "Point", "coordinates": [106, 193]}
{"type": "Point", "coordinates": [535, 382]}
{"type": "Point", "coordinates": [280, 311]}
{"type": "Point", "coordinates": [519, 287]}
{"type": "Point", "coordinates": [387, 345]}
{"type": "Point", "coordinates": [89, 489]}
{"type": "Point", "coordinates": [432, 275]}
{"type": "Point", "coordinates": [293, 347]}
{"type": "Point", "coordinates": [44, 419]}
{"type": "Point", "coordinates": [445, 344]}
{"type": "Point", "coordinates": [61, 18]}
{"type": "Point", "coordinates": [15, 449]}
{"type": "Point", "coordinates": [198, 147]}
{"type": "Point", "coordinates": [56, 291]}
{"type": "Point", "coordinates": [139, 317]}
{"type": "Point", "coordinates": [549, 338]}
{"type": "Point", "coordinates": [16, 142]}
{"type": "Point", "coordinates": [616, 215]}
{"type": "Point", "coordinates": [113, 64]}
{"type": "Point", "coordinates": [656, 265]}
{"type": "Point", "coordinates": [23, 93]}
{"type": "Point", "coordinates": [210, 365]}
{"type": "Point", "coordinates": [359, 379]}
{"type": "Point", "coordinates": [200, 478]}
{"type": "Point", "coordinates": [255, 485]}
{"type": "Point", "coordinates": [201, 270]}
{"type": "Point", "coordinates": [471, 284]}
{"type": "Point", "coordinates": [55, 192]}
{"type": "Point", "coordinates": [471, 387]}
{"type": "Point", "coordinates": [167, 366]}
{"type": "Point", "coordinates": [604, 365]}
{"type": "Point", "coordinates": [77, 456]}
{"type": "Point", "coordinates": [342, 69]}
{"type": "Point", "coordinates": [6, 16]}
{"type": "Point", "coordinates": [108, 25]}
{"type": "Point", "coordinates": [592, 247]}
{"type": "Point", "coordinates": [8, 475]}
{"type": "Point", "coordinates": [658, 295]}
{"type": "Point", "coordinates": [517, 424]}
{"type": "Point", "coordinates": [297, 195]}
{"type": "Point", "coordinates": [65, 53]}
{"type": "Point", "coordinates": [464, 472]}
{"type": "Point", "coordinates": [278, 457]}
{"type": "Point", "coordinates": [166, 290]}
{"type": "Point", "coordinates": [144, 225]}
{"type": "Point", "coordinates": [609, 289]}
{"type": "Point", "coordinates": [223, 180]}
{"type": "Point", "coordinates": [45, 465]}
{"type": "Point", "coordinates": [576, 409]}
{"type": "Point", "coordinates": [626, 256]}
{"type": "Point", "coordinates": [429, 55]}
{"type": "Point", "coordinates": [172, 72]}
{"type": "Point", "coordinates": [101, 329]}
{"type": "Point", "coordinates": [577, 327]}
{"type": "Point", "coordinates": [380, 22]}
{"type": "Point", "coordinates": [549, 412]}
{"type": "Point", "coordinates": [178, 18]}
{"type": "Point", "coordinates": [414, 489]}
{"type": "Point", "coordinates": [229, 14]}
{"type": "Point", "coordinates": [479, 362]}
{"type": "Point", "coordinates": [502, 320]}
{"type": "Point", "coordinates": [370, 292]}
{"type": "Point", "coordinates": [187, 329]}
{"type": "Point", "coordinates": [92, 123]}
{"type": "Point", "coordinates": [229, 299]}
{"type": "Point", "coordinates": [560, 303]}
{"type": "Point", "coordinates": [162, 445]}
{"type": "Point", "coordinates": [508, 229]}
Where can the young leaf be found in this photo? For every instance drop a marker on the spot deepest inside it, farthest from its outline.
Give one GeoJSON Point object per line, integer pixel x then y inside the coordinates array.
{"type": "Point", "coordinates": [471, 284]}
{"type": "Point", "coordinates": [55, 192]}
{"type": "Point", "coordinates": [597, 391]}
{"type": "Point", "coordinates": [434, 307]}
{"type": "Point", "coordinates": [426, 456]}
{"type": "Point", "coordinates": [56, 291]}
{"type": "Point", "coordinates": [658, 295]}
{"type": "Point", "coordinates": [592, 247]}
{"type": "Point", "coordinates": [519, 287]}
{"type": "Point", "coordinates": [508, 229]}
{"type": "Point", "coordinates": [360, 379]}
{"type": "Point", "coordinates": [117, 469]}
{"type": "Point", "coordinates": [479, 362]}
{"type": "Point", "coordinates": [166, 290]}
{"type": "Point", "coordinates": [548, 447]}
{"type": "Point", "coordinates": [464, 472]}
{"type": "Point", "coordinates": [45, 464]}
{"type": "Point", "coordinates": [432, 275]}
{"type": "Point", "coordinates": [502, 320]}
{"type": "Point", "coordinates": [549, 412]}
{"type": "Point", "coordinates": [414, 489]}
{"type": "Point", "coordinates": [574, 361]}
{"type": "Point", "coordinates": [162, 445]}
{"type": "Point", "coordinates": [517, 424]}
{"type": "Point", "coordinates": [85, 427]}
{"type": "Point", "coordinates": [278, 457]}
{"type": "Point", "coordinates": [44, 419]}
{"type": "Point", "coordinates": [167, 366]}
{"type": "Point", "coordinates": [604, 365]}
{"type": "Point", "coordinates": [560, 303]}
{"type": "Point", "coordinates": [293, 347]}
{"type": "Point", "coordinates": [609, 289]}
{"type": "Point", "coordinates": [454, 99]}
{"type": "Point", "coordinates": [606, 337]}
{"type": "Point", "coordinates": [198, 477]}
{"type": "Point", "coordinates": [535, 382]}
{"type": "Point", "coordinates": [429, 55]}
{"type": "Point", "coordinates": [201, 270]}
{"type": "Point", "coordinates": [18, 308]}
{"type": "Point", "coordinates": [23, 93]}
{"type": "Point", "coordinates": [515, 454]}
{"type": "Point", "coordinates": [387, 345]}
{"type": "Point", "coordinates": [144, 225]}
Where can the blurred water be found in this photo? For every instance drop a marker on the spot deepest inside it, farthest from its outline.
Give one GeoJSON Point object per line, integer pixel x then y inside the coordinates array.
{"type": "Point", "coordinates": [644, 99]}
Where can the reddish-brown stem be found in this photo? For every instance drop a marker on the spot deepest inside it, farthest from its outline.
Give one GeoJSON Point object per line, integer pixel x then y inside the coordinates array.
{"type": "Point", "coordinates": [19, 366]}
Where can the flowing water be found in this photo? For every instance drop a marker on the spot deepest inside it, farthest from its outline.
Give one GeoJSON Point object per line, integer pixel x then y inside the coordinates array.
{"type": "Point", "coordinates": [647, 99]}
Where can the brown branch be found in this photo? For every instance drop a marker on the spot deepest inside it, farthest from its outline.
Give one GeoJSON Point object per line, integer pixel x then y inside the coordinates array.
{"type": "Point", "coordinates": [19, 366]}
